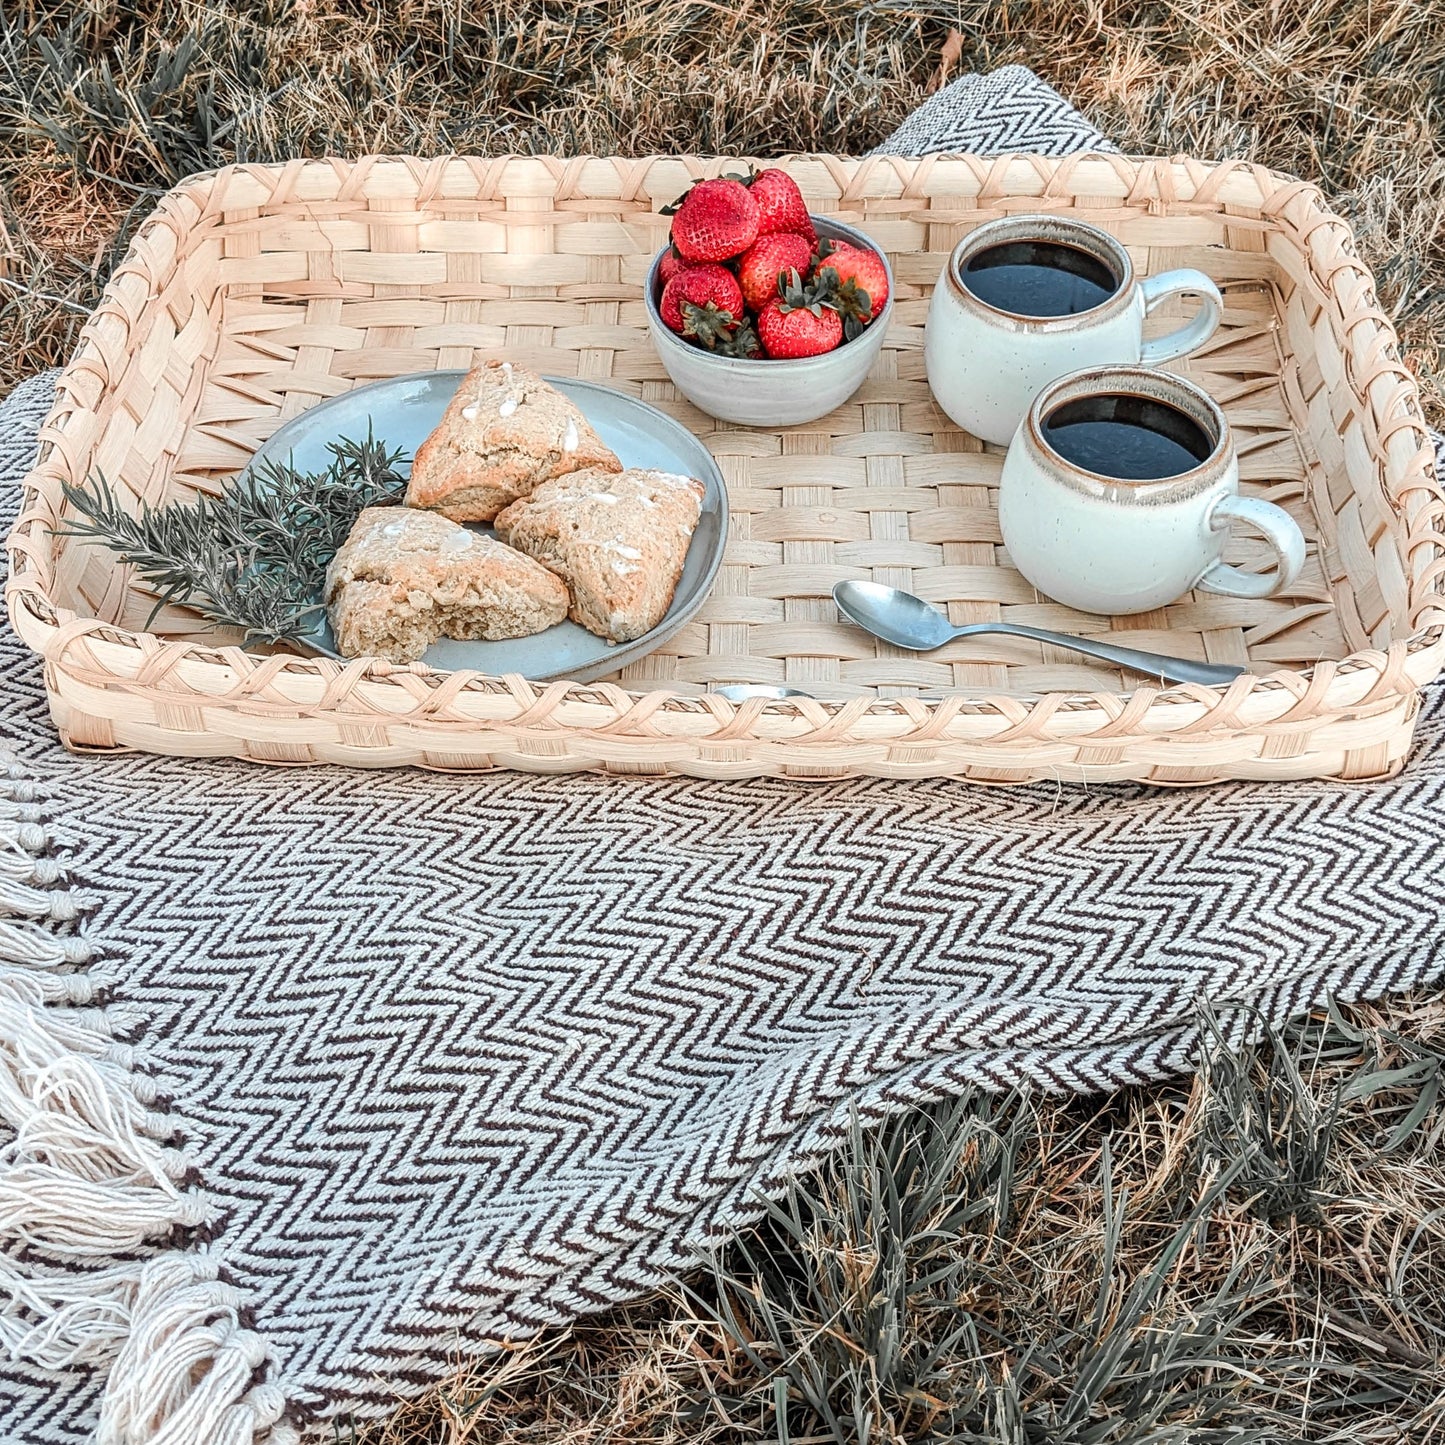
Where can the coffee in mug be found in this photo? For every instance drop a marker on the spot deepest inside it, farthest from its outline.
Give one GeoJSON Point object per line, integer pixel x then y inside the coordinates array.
{"type": "Point", "coordinates": [1027, 299]}
{"type": "Point", "coordinates": [1119, 492]}
{"type": "Point", "coordinates": [1039, 278]}
{"type": "Point", "coordinates": [1133, 438]}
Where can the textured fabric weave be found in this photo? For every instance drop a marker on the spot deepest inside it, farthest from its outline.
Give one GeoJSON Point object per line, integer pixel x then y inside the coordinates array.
{"type": "Point", "coordinates": [464, 1056]}
{"type": "Point", "coordinates": [1010, 109]}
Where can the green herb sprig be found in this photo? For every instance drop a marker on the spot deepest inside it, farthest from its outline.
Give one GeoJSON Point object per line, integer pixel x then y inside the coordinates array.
{"type": "Point", "coordinates": [255, 557]}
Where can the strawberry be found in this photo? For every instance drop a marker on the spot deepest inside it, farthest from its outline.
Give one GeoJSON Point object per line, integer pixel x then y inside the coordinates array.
{"type": "Point", "coordinates": [670, 265]}
{"type": "Point", "coordinates": [765, 260]}
{"type": "Point", "coordinates": [702, 302]}
{"type": "Point", "coordinates": [715, 221]}
{"type": "Point", "coordinates": [781, 205]}
{"type": "Point", "coordinates": [799, 322]}
{"type": "Point", "coordinates": [859, 283]}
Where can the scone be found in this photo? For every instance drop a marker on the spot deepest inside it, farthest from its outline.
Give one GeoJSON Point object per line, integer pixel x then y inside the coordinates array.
{"type": "Point", "coordinates": [404, 578]}
{"type": "Point", "coordinates": [504, 432]}
{"type": "Point", "coordinates": [618, 540]}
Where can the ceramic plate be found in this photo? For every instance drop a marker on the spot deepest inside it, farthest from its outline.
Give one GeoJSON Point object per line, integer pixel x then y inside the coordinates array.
{"type": "Point", "coordinates": [403, 410]}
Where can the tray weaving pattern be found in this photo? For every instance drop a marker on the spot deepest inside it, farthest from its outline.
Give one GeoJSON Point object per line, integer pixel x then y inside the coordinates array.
{"type": "Point", "coordinates": [257, 291]}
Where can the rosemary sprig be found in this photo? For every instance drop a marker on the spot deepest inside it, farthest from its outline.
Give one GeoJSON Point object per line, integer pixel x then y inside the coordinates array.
{"type": "Point", "coordinates": [254, 557]}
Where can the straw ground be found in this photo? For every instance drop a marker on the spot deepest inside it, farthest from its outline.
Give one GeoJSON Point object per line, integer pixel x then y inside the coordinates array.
{"type": "Point", "coordinates": [1257, 1255]}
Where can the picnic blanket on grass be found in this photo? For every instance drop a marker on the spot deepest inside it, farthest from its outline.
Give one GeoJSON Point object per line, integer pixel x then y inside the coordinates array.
{"type": "Point", "coordinates": [310, 1079]}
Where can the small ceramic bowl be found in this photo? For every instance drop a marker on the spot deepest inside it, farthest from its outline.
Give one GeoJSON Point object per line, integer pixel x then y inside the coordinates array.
{"type": "Point", "coordinates": [765, 392]}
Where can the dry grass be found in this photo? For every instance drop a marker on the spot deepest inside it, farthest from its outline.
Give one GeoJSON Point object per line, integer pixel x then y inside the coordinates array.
{"type": "Point", "coordinates": [1257, 1256]}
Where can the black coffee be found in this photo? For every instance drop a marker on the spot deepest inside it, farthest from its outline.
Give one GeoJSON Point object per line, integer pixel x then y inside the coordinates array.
{"type": "Point", "coordinates": [1130, 437]}
{"type": "Point", "coordinates": [1039, 278]}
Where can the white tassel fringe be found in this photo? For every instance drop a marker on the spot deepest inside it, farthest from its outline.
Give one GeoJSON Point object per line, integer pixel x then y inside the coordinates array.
{"type": "Point", "coordinates": [87, 1174]}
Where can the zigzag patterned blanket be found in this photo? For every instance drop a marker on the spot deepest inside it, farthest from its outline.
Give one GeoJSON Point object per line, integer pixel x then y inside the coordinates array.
{"type": "Point", "coordinates": [416, 1061]}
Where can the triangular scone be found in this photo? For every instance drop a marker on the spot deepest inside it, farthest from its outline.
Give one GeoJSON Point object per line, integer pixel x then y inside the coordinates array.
{"type": "Point", "coordinates": [404, 578]}
{"type": "Point", "coordinates": [618, 540]}
{"type": "Point", "coordinates": [503, 433]}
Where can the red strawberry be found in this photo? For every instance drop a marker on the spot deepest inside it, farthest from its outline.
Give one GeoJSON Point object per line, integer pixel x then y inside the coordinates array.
{"type": "Point", "coordinates": [670, 265]}
{"type": "Point", "coordinates": [861, 284]}
{"type": "Point", "coordinates": [765, 260]}
{"type": "Point", "coordinates": [781, 205]}
{"type": "Point", "coordinates": [715, 221]}
{"type": "Point", "coordinates": [703, 302]}
{"type": "Point", "coordinates": [798, 323]}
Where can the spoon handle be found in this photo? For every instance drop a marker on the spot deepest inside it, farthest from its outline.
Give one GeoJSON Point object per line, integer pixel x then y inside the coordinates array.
{"type": "Point", "coordinates": [1152, 664]}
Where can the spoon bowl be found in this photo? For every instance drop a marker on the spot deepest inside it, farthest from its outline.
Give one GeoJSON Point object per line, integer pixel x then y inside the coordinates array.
{"type": "Point", "coordinates": [894, 615]}
{"type": "Point", "coordinates": [742, 691]}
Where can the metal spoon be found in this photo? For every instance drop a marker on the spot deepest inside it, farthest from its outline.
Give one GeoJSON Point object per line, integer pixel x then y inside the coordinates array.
{"type": "Point", "coordinates": [741, 691]}
{"type": "Point", "coordinates": [908, 621]}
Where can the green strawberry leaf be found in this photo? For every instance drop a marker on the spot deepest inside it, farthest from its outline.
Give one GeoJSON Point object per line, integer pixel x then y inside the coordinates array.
{"type": "Point", "coordinates": [743, 342]}
{"type": "Point", "coordinates": [706, 325]}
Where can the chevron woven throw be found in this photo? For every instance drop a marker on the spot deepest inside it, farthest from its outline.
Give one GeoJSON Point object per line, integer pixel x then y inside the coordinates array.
{"type": "Point", "coordinates": [308, 1080]}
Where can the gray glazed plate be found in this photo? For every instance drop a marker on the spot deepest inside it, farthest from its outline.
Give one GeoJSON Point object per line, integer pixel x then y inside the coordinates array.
{"type": "Point", "coordinates": [402, 410]}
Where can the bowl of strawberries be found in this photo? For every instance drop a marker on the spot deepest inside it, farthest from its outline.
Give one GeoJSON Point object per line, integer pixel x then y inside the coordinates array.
{"type": "Point", "coordinates": [762, 313]}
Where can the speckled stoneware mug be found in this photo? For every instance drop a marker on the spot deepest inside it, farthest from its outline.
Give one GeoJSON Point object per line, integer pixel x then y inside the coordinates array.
{"type": "Point", "coordinates": [1119, 491]}
{"type": "Point", "coordinates": [987, 359]}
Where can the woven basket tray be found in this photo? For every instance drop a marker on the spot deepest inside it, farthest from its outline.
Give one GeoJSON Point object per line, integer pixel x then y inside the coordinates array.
{"type": "Point", "coordinates": [257, 291]}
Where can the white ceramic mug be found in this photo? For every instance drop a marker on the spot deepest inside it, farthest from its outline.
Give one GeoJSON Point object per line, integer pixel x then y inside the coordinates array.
{"type": "Point", "coordinates": [985, 365]}
{"type": "Point", "coordinates": [1114, 544]}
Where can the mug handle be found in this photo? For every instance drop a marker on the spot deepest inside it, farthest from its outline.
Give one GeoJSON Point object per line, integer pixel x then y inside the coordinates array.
{"type": "Point", "coordinates": [1192, 334]}
{"type": "Point", "coordinates": [1277, 528]}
